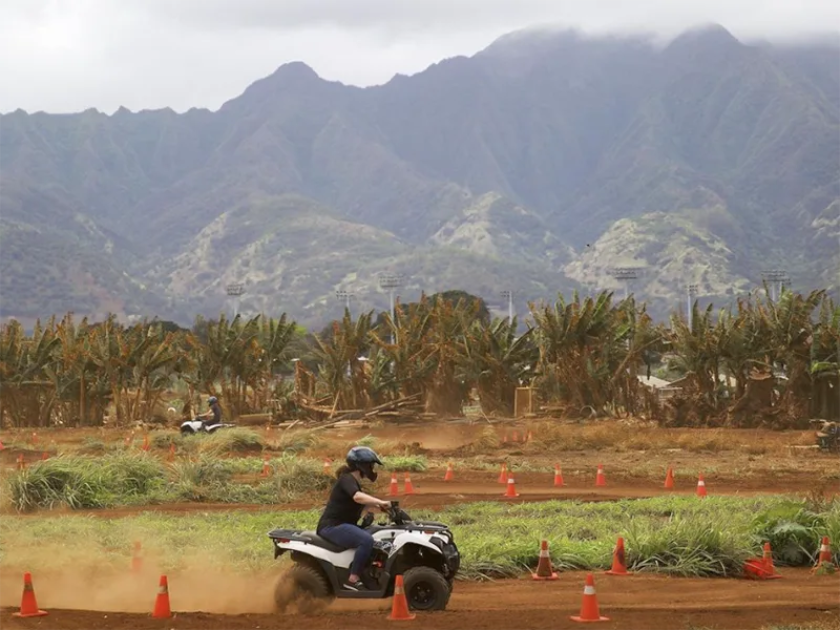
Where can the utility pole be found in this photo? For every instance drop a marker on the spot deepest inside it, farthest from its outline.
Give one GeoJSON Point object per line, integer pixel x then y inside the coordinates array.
{"type": "Point", "coordinates": [344, 295]}
{"type": "Point", "coordinates": [388, 282]}
{"type": "Point", "coordinates": [234, 291]}
{"type": "Point", "coordinates": [508, 295]}
{"type": "Point", "coordinates": [625, 275]}
{"type": "Point", "coordinates": [777, 278]}
{"type": "Point", "coordinates": [692, 295]}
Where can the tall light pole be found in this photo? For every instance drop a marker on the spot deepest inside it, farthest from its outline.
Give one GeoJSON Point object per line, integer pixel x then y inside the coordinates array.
{"type": "Point", "coordinates": [344, 295]}
{"type": "Point", "coordinates": [508, 295]}
{"type": "Point", "coordinates": [777, 277]}
{"type": "Point", "coordinates": [234, 291]}
{"type": "Point", "coordinates": [625, 275]}
{"type": "Point", "coordinates": [692, 294]}
{"type": "Point", "coordinates": [388, 282]}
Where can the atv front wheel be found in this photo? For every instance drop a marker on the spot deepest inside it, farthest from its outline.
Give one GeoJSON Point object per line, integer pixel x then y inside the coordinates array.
{"type": "Point", "coordinates": [426, 589]}
{"type": "Point", "coordinates": [303, 588]}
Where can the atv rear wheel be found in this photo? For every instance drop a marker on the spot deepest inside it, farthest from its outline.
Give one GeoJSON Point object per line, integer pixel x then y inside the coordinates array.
{"type": "Point", "coordinates": [426, 589]}
{"type": "Point", "coordinates": [303, 588]}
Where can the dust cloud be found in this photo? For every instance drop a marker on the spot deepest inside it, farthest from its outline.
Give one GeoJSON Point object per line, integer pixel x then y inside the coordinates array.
{"type": "Point", "coordinates": [197, 586]}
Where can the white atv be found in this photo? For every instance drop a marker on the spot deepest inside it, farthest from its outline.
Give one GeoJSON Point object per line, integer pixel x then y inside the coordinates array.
{"type": "Point", "coordinates": [191, 427]}
{"type": "Point", "coordinates": [423, 553]}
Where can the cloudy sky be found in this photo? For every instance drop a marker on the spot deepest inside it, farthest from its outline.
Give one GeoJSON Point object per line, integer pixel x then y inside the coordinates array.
{"type": "Point", "coordinates": [68, 55]}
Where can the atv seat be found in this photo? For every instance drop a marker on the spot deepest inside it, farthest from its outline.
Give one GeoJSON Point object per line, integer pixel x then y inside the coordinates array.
{"type": "Point", "coordinates": [314, 539]}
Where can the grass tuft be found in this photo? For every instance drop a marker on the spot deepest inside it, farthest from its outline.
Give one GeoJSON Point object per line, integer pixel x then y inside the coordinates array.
{"type": "Point", "coordinates": [81, 482]}
{"type": "Point", "coordinates": [230, 441]}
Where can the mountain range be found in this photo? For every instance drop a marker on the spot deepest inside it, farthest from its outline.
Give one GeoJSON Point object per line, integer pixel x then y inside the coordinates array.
{"type": "Point", "coordinates": [538, 165]}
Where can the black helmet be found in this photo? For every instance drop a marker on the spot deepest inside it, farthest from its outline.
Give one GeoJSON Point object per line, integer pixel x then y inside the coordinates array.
{"type": "Point", "coordinates": [363, 459]}
{"type": "Point", "coordinates": [212, 400]}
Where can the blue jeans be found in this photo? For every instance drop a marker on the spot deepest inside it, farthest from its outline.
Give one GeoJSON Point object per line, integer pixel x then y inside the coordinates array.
{"type": "Point", "coordinates": [349, 536]}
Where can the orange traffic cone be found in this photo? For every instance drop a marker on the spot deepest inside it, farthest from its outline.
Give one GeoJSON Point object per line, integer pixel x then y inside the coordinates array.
{"type": "Point", "coordinates": [769, 568]}
{"type": "Point", "coordinates": [394, 490]}
{"type": "Point", "coordinates": [399, 607]}
{"type": "Point", "coordinates": [558, 476]}
{"type": "Point", "coordinates": [825, 551]}
{"type": "Point", "coordinates": [409, 487]}
{"type": "Point", "coordinates": [34, 437]}
{"type": "Point", "coordinates": [146, 442]}
{"type": "Point", "coordinates": [266, 469]}
{"type": "Point", "coordinates": [44, 456]}
{"type": "Point", "coordinates": [503, 474]}
{"type": "Point", "coordinates": [28, 604]}
{"type": "Point", "coordinates": [669, 479]}
{"type": "Point", "coordinates": [162, 609]}
{"type": "Point", "coordinates": [515, 437]}
{"type": "Point", "coordinates": [701, 486]}
{"type": "Point", "coordinates": [530, 437]}
{"type": "Point", "coordinates": [600, 479]}
{"type": "Point", "coordinates": [327, 467]}
{"type": "Point", "coordinates": [450, 474]}
{"type": "Point", "coordinates": [171, 456]}
{"type": "Point", "coordinates": [136, 559]}
{"type": "Point", "coordinates": [1, 445]}
{"type": "Point", "coordinates": [20, 463]}
{"type": "Point", "coordinates": [824, 560]}
{"type": "Point", "coordinates": [511, 492]}
{"type": "Point", "coordinates": [619, 567]}
{"type": "Point", "coordinates": [589, 606]}
{"type": "Point", "coordinates": [544, 569]}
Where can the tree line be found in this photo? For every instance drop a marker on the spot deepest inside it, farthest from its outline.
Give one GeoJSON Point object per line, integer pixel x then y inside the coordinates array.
{"type": "Point", "coordinates": [762, 362]}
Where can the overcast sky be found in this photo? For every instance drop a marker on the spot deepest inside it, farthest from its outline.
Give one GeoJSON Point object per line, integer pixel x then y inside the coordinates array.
{"type": "Point", "coordinates": [68, 55]}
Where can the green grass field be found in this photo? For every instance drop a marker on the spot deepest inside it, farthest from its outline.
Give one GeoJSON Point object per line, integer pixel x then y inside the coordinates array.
{"type": "Point", "coordinates": [675, 535]}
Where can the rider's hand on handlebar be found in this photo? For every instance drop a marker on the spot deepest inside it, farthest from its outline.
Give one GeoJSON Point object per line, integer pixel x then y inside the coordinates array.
{"type": "Point", "coordinates": [384, 505]}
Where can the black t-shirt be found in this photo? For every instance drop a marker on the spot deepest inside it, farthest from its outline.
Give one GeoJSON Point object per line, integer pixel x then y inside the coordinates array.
{"type": "Point", "coordinates": [217, 413]}
{"type": "Point", "coordinates": [341, 508]}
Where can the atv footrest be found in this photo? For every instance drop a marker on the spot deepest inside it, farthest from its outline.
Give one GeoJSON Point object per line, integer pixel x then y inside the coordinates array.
{"type": "Point", "coordinates": [347, 594]}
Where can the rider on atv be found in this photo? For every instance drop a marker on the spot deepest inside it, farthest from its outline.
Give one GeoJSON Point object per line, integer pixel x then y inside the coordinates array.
{"type": "Point", "coordinates": [338, 523]}
{"type": "Point", "coordinates": [215, 412]}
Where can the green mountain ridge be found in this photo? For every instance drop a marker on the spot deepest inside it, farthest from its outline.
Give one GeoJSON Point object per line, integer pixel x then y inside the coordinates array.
{"type": "Point", "coordinates": [536, 165]}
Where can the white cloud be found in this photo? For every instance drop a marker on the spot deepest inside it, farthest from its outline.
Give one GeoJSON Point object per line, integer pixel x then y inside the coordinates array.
{"type": "Point", "coordinates": [68, 55]}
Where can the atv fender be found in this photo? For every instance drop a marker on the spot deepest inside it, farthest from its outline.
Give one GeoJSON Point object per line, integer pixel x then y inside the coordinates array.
{"type": "Point", "coordinates": [342, 559]}
{"type": "Point", "coordinates": [404, 557]}
{"type": "Point", "coordinates": [413, 539]}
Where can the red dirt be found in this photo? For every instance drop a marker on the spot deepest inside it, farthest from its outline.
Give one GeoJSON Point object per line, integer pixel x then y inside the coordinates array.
{"type": "Point", "coordinates": [647, 602]}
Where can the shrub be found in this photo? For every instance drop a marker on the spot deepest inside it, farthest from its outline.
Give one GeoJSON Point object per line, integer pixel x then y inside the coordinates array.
{"type": "Point", "coordinates": [405, 463]}
{"type": "Point", "coordinates": [86, 482]}
{"type": "Point", "coordinates": [235, 440]}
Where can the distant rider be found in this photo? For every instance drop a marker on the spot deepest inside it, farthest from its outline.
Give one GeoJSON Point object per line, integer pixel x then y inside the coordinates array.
{"type": "Point", "coordinates": [214, 412]}
{"type": "Point", "coordinates": [338, 523]}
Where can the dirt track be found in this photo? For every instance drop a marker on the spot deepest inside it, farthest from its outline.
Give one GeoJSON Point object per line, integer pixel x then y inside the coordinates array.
{"type": "Point", "coordinates": [649, 602]}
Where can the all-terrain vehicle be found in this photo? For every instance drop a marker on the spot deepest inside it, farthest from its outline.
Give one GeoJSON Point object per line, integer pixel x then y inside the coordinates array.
{"type": "Point", "coordinates": [424, 553]}
{"type": "Point", "coordinates": [191, 427]}
{"type": "Point", "coordinates": [828, 435]}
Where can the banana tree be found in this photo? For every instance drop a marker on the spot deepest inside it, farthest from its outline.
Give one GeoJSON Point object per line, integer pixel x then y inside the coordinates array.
{"type": "Point", "coordinates": [225, 360]}
{"type": "Point", "coordinates": [342, 376]}
{"type": "Point", "coordinates": [27, 392]}
{"type": "Point", "coordinates": [407, 367]}
{"type": "Point", "coordinates": [496, 360]}
{"type": "Point", "coordinates": [825, 361]}
{"type": "Point", "coordinates": [581, 345]}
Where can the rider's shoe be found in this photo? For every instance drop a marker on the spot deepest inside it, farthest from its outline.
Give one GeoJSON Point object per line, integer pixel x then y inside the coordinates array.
{"type": "Point", "coordinates": [358, 586]}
